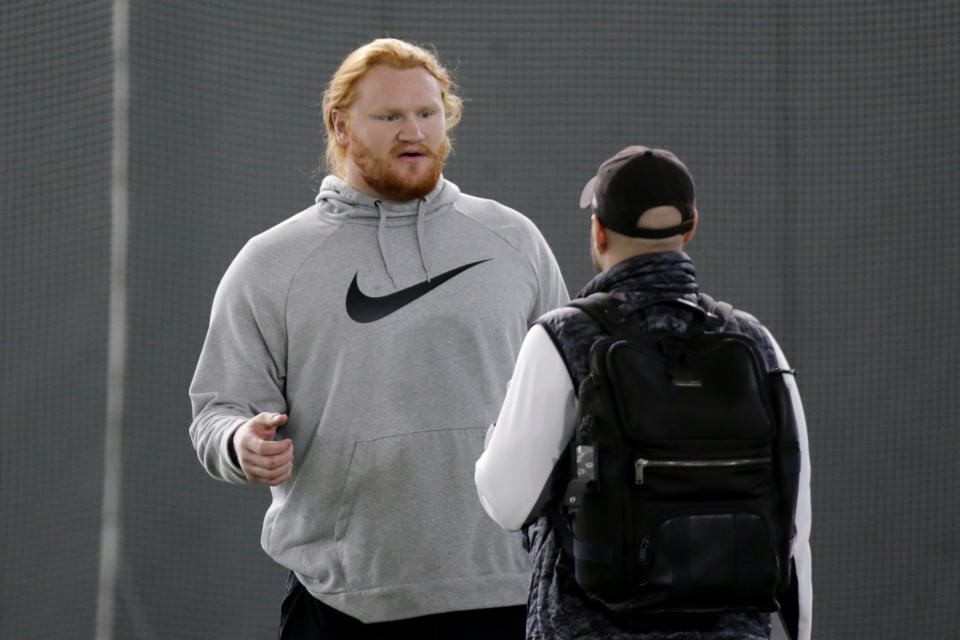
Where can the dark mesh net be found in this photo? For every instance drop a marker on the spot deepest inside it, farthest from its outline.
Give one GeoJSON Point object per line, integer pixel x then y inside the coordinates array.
{"type": "Point", "coordinates": [824, 140]}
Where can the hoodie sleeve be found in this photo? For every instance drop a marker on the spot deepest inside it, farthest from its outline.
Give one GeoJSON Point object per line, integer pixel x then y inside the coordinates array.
{"type": "Point", "coordinates": [552, 290]}
{"type": "Point", "coordinates": [242, 367]}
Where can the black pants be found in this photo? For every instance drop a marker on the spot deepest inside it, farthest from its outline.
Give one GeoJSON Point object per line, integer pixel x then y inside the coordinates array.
{"type": "Point", "coordinates": [303, 617]}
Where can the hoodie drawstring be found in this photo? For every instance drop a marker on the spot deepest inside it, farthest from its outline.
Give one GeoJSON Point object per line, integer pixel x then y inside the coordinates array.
{"type": "Point", "coordinates": [381, 239]}
{"type": "Point", "coordinates": [423, 259]}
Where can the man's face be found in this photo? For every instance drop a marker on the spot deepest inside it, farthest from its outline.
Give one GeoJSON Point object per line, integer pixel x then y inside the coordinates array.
{"type": "Point", "coordinates": [394, 133]}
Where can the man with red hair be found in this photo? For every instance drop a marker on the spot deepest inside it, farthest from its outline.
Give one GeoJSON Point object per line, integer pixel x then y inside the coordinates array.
{"type": "Point", "coordinates": [356, 353]}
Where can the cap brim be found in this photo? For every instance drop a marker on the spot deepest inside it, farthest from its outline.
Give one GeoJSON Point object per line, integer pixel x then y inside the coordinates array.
{"type": "Point", "coordinates": [586, 196]}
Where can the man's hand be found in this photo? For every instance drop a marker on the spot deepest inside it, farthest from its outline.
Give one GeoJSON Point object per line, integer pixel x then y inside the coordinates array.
{"type": "Point", "coordinates": [262, 459]}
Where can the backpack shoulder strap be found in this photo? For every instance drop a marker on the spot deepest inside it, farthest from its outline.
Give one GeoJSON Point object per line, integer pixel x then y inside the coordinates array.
{"type": "Point", "coordinates": [719, 313]}
{"type": "Point", "coordinates": [605, 309]}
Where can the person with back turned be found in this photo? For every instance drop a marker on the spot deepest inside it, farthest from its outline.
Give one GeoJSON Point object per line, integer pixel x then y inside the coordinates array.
{"type": "Point", "coordinates": [355, 355]}
{"type": "Point", "coordinates": [652, 442]}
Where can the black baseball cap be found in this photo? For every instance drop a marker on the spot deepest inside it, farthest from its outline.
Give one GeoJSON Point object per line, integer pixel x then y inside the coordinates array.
{"type": "Point", "coordinates": [636, 179]}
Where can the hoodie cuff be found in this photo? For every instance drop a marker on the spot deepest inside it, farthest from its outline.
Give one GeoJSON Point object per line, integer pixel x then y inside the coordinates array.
{"type": "Point", "coordinates": [230, 465]}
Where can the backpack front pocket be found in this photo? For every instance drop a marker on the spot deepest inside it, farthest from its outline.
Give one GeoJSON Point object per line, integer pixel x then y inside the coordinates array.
{"type": "Point", "coordinates": [731, 477]}
{"type": "Point", "coordinates": [713, 561]}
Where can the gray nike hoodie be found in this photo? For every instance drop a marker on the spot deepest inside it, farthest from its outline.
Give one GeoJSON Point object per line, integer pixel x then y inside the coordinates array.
{"type": "Point", "coordinates": [387, 331]}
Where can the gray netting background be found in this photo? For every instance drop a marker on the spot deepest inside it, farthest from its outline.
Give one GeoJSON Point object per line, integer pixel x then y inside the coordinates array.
{"type": "Point", "coordinates": [825, 141]}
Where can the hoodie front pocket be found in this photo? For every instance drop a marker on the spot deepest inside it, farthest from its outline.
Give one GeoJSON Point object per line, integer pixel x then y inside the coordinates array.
{"type": "Point", "coordinates": [409, 512]}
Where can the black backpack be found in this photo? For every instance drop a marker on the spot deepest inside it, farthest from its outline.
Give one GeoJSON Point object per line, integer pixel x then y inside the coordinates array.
{"type": "Point", "coordinates": [684, 468]}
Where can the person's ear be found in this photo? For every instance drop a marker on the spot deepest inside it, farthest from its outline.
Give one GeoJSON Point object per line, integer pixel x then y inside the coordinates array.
{"type": "Point", "coordinates": [689, 234]}
{"type": "Point", "coordinates": [340, 126]}
{"type": "Point", "coordinates": [599, 233]}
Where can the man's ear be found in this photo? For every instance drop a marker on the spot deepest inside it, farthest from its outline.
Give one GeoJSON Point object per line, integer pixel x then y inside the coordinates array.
{"type": "Point", "coordinates": [340, 126]}
{"type": "Point", "coordinates": [599, 233]}
{"type": "Point", "coordinates": [689, 234]}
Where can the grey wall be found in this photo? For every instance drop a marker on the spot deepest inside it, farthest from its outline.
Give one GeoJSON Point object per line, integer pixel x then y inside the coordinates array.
{"type": "Point", "coordinates": [824, 141]}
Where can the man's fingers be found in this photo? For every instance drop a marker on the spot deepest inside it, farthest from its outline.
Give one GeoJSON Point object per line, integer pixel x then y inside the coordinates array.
{"type": "Point", "coordinates": [257, 461]}
{"type": "Point", "coordinates": [262, 458]}
{"type": "Point", "coordinates": [270, 476]}
{"type": "Point", "coordinates": [281, 478]}
{"type": "Point", "coordinates": [268, 447]}
{"type": "Point", "coordinates": [265, 424]}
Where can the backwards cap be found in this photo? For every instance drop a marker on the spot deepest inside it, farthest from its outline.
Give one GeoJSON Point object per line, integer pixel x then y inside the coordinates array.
{"type": "Point", "coordinates": [634, 180]}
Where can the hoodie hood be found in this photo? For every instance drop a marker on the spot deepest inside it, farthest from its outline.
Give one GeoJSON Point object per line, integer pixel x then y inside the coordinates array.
{"type": "Point", "coordinates": [340, 202]}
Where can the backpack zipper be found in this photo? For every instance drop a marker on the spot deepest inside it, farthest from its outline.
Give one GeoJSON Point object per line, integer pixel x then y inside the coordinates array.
{"type": "Point", "coordinates": [643, 463]}
{"type": "Point", "coordinates": [642, 553]}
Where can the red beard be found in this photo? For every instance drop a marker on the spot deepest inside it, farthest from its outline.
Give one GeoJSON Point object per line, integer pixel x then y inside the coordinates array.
{"type": "Point", "coordinates": [400, 185]}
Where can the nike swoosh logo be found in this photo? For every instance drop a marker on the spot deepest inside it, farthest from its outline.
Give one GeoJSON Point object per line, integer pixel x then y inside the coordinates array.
{"type": "Point", "coordinates": [363, 308]}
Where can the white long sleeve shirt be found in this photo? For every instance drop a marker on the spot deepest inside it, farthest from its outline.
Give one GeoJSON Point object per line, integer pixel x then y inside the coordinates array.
{"type": "Point", "coordinates": [535, 424]}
